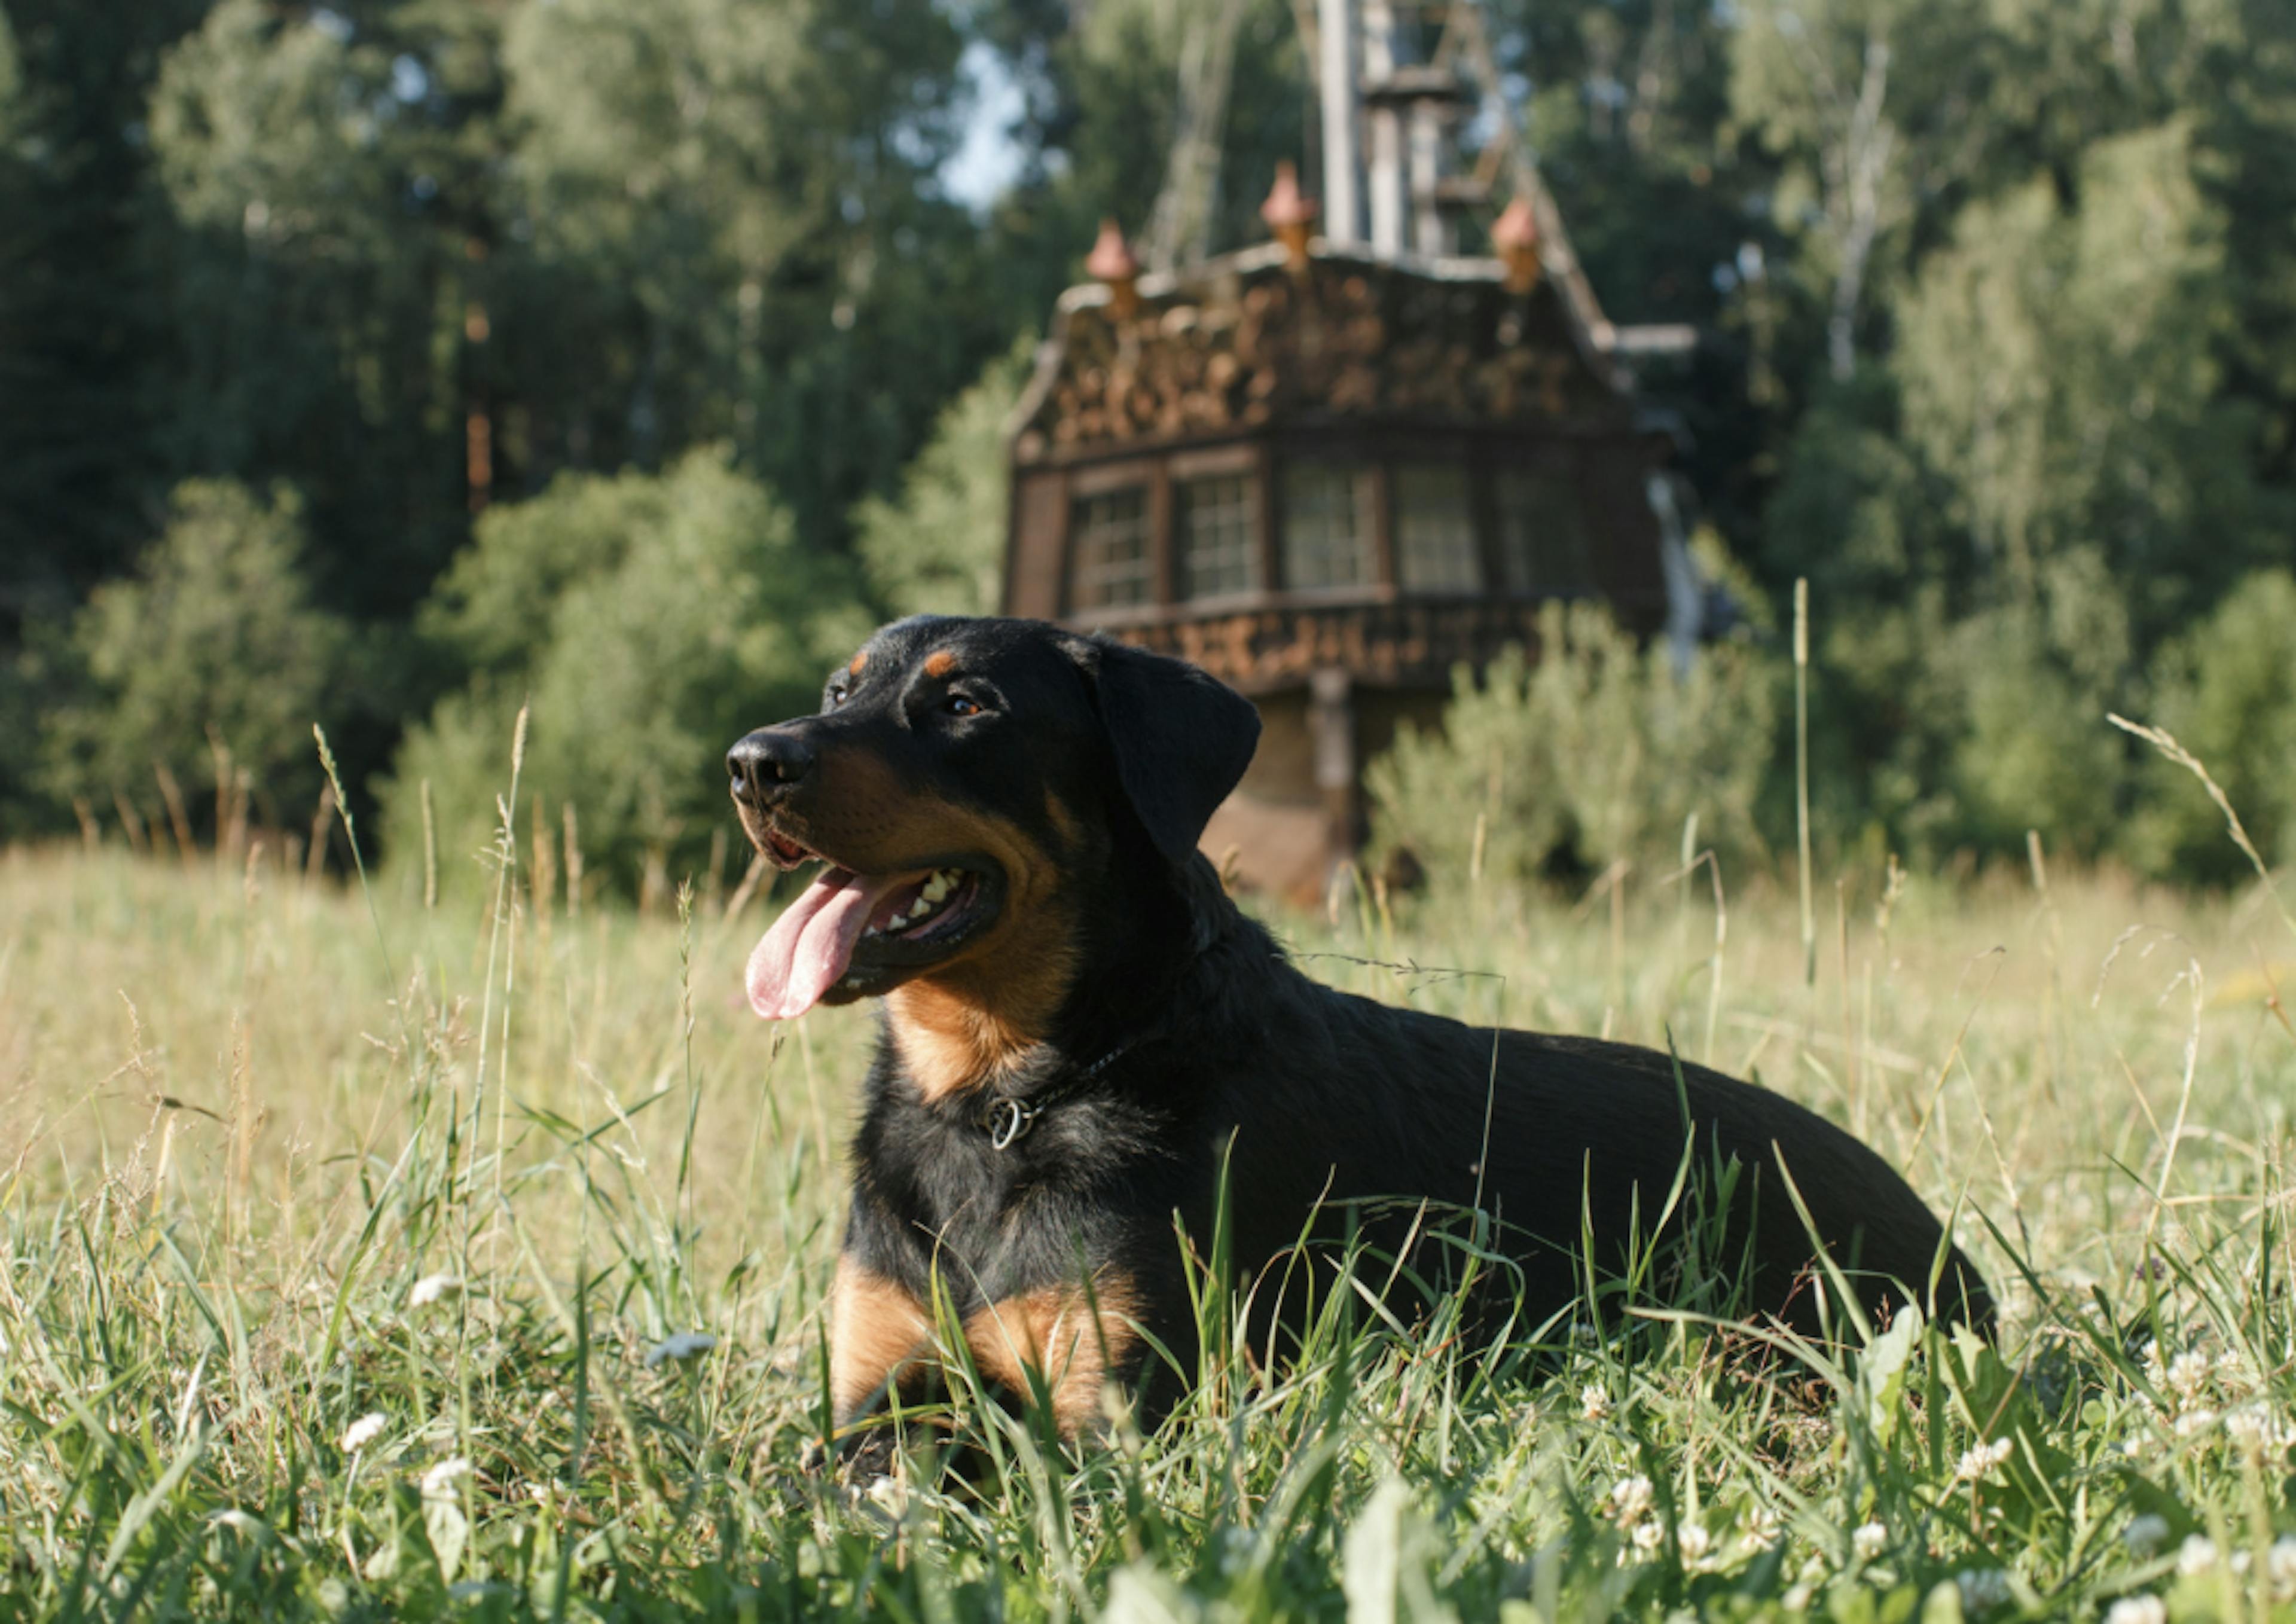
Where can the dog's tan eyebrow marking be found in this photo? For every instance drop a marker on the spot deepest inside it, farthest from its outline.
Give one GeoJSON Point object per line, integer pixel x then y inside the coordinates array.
{"type": "Point", "coordinates": [860, 660]}
{"type": "Point", "coordinates": [940, 662]}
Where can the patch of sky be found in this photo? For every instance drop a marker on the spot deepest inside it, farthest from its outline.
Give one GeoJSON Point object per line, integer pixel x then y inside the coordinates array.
{"type": "Point", "coordinates": [408, 80]}
{"type": "Point", "coordinates": [988, 160]}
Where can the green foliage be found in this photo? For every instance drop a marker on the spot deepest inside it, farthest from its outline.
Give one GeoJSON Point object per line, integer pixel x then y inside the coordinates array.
{"type": "Point", "coordinates": [1995, 298]}
{"type": "Point", "coordinates": [327, 185]}
{"type": "Point", "coordinates": [2029, 746]}
{"type": "Point", "coordinates": [939, 547]}
{"type": "Point", "coordinates": [271, 130]}
{"type": "Point", "coordinates": [1597, 753]}
{"type": "Point", "coordinates": [11, 80]}
{"type": "Point", "coordinates": [214, 638]}
{"type": "Point", "coordinates": [2059, 372]}
{"type": "Point", "coordinates": [650, 621]}
{"type": "Point", "coordinates": [2226, 690]}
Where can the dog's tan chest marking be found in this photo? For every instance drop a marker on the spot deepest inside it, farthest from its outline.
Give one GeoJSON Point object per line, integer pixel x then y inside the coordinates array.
{"type": "Point", "coordinates": [949, 1042]}
{"type": "Point", "coordinates": [973, 1020]}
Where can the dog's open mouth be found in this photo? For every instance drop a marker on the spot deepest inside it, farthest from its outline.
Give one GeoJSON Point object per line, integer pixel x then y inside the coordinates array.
{"type": "Point", "coordinates": [850, 934]}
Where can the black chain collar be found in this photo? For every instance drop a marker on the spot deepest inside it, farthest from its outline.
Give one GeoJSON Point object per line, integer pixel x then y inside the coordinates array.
{"type": "Point", "coordinates": [1006, 1118]}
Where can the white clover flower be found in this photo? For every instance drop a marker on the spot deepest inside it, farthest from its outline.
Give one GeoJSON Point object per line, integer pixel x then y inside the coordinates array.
{"type": "Point", "coordinates": [2192, 1423]}
{"type": "Point", "coordinates": [2156, 1371]}
{"type": "Point", "coordinates": [441, 1478]}
{"type": "Point", "coordinates": [2144, 1534]}
{"type": "Point", "coordinates": [1797, 1597]}
{"type": "Point", "coordinates": [434, 1288]}
{"type": "Point", "coordinates": [891, 1496]}
{"type": "Point", "coordinates": [1980, 1458]}
{"type": "Point", "coordinates": [1630, 1497]}
{"type": "Point", "coordinates": [2188, 1374]}
{"type": "Point", "coordinates": [2196, 1555]}
{"type": "Point", "coordinates": [1648, 1535]}
{"type": "Point", "coordinates": [1759, 1523]}
{"type": "Point", "coordinates": [2240, 1562]}
{"type": "Point", "coordinates": [1868, 1541]}
{"type": "Point", "coordinates": [363, 1431]}
{"type": "Point", "coordinates": [2138, 1610]}
{"type": "Point", "coordinates": [2254, 1426]}
{"type": "Point", "coordinates": [684, 1346]}
{"type": "Point", "coordinates": [2280, 1568]}
{"type": "Point", "coordinates": [1982, 1589]}
{"type": "Point", "coordinates": [1594, 1403]}
{"type": "Point", "coordinates": [1696, 1543]}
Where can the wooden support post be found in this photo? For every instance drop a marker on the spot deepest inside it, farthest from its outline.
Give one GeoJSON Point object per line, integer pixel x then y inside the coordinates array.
{"type": "Point", "coordinates": [1332, 731]}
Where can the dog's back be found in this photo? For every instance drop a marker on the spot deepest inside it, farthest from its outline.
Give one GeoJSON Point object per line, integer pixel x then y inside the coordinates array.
{"type": "Point", "coordinates": [1343, 1100]}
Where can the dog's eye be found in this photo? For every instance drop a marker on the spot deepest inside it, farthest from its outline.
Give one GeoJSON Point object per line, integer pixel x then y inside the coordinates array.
{"type": "Point", "coordinates": [837, 696]}
{"type": "Point", "coordinates": [957, 704]}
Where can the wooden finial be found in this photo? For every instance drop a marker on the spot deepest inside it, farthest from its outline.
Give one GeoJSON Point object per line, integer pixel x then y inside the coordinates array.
{"type": "Point", "coordinates": [1289, 213]}
{"type": "Point", "coordinates": [1111, 261]}
{"type": "Point", "coordinates": [1515, 235]}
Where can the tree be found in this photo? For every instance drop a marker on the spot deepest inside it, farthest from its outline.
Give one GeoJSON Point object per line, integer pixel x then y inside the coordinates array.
{"type": "Point", "coordinates": [2059, 369]}
{"type": "Point", "coordinates": [651, 620]}
{"type": "Point", "coordinates": [2226, 689]}
{"type": "Point", "coordinates": [213, 641]}
{"type": "Point", "coordinates": [328, 175]}
{"type": "Point", "coordinates": [81, 480]}
{"type": "Point", "coordinates": [744, 197]}
{"type": "Point", "coordinates": [1869, 105]}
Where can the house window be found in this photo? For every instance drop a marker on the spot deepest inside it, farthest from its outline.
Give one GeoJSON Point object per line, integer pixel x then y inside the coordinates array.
{"type": "Point", "coordinates": [1327, 531]}
{"type": "Point", "coordinates": [1111, 563]}
{"type": "Point", "coordinates": [1542, 532]}
{"type": "Point", "coordinates": [1435, 529]}
{"type": "Point", "coordinates": [1219, 534]}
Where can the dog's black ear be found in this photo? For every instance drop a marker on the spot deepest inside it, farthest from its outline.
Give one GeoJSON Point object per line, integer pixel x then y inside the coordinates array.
{"type": "Point", "coordinates": [1181, 739]}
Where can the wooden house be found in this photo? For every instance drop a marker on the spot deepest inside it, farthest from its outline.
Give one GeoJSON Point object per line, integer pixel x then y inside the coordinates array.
{"type": "Point", "coordinates": [1329, 472]}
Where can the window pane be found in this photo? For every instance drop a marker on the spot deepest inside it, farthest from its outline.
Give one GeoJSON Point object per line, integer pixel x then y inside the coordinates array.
{"type": "Point", "coordinates": [1542, 531]}
{"type": "Point", "coordinates": [1435, 529]}
{"type": "Point", "coordinates": [1326, 525]}
{"type": "Point", "coordinates": [1218, 525]}
{"type": "Point", "coordinates": [1107, 538]}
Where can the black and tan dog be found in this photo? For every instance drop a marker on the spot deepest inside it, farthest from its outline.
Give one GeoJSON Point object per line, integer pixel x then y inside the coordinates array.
{"type": "Point", "coordinates": [1080, 1031]}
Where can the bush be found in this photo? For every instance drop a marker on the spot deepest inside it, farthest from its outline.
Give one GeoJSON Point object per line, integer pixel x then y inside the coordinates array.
{"type": "Point", "coordinates": [2228, 690]}
{"type": "Point", "coordinates": [214, 638]}
{"type": "Point", "coordinates": [651, 620]}
{"type": "Point", "coordinates": [1597, 751]}
{"type": "Point", "coordinates": [2033, 750]}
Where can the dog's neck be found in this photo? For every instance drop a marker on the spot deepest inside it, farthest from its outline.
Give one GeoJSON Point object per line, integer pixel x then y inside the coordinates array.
{"type": "Point", "coordinates": [1027, 1015]}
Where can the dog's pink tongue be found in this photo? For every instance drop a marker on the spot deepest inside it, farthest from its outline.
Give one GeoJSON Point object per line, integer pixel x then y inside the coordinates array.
{"type": "Point", "coordinates": [811, 944]}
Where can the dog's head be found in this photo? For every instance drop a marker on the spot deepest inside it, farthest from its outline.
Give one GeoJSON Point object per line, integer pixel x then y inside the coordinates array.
{"type": "Point", "coordinates": [965, 786]}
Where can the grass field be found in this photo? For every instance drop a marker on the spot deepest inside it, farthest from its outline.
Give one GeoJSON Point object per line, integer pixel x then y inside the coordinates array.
{"type": "Point", "coordinates": [354, 1251]}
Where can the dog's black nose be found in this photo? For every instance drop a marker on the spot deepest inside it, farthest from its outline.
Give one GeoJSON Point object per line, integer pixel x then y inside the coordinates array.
{"type": "Point", "coordinates": [767, 761]}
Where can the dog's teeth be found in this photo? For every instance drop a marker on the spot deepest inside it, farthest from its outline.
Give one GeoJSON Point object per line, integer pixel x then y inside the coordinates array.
{"type": "Point", "coordinates": [920, 909]}
{"type": "Point", "coordinates": [937, 886]}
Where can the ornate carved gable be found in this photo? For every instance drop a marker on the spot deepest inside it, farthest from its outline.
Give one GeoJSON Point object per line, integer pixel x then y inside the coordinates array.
{"type": "Point", "coordinates": [1249, 342]}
